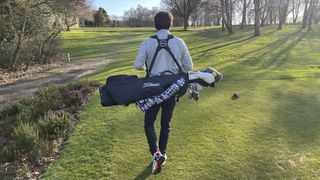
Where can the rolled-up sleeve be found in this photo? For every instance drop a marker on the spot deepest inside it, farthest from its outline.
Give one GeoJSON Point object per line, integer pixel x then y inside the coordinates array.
{"type": "Point", "coordinates": [186, 58]}
{"type": "Point", "coordinates": [141, 57]}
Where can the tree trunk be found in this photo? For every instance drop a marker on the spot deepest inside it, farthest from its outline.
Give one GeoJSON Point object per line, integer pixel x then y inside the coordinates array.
{"type": "Point", "coordinates": [19, 44]}
{"type": "Point", "coordinates": [244, 14]}
{"type": "Point", "coordinates": [271, 16]}
{"type": "Point", "coordinates": [311, 14]}
{"type": "Point", "coordinates": [293, 13]}
{"type": "Point", "coordinates": [223, 15]}
{"type": "Point", "coordinates": [228, 16]}
{"type": "Point", "coordinates": [257, 11]}
{"type": "Point", "coordinates": [218, 22]}
{"type": "Point", "coordinates": [283, 9]}
{"type": "Point", "coordinates": [305, 14]}
{"type": "Point", "coordinates": [185, 22]}
{"type": "Point", "coordinates": [280, 17]}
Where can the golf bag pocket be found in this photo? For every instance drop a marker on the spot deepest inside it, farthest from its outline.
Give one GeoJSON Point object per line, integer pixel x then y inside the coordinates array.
{"type": "Point", "coordinates": [105, 97]}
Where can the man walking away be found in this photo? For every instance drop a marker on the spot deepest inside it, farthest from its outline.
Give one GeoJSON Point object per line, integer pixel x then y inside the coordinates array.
{"type": "Point", "coordinates": [163, 61]}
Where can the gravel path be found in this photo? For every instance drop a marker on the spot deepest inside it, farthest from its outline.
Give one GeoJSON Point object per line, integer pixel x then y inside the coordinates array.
{"type": "Point", "coordinates": [71, 72]}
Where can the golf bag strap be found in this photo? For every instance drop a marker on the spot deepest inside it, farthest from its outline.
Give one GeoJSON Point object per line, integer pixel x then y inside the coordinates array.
{"type": "Point", "coordinates": [162, 44]}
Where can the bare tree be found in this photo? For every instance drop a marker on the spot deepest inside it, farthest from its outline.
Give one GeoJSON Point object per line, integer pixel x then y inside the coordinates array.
{"type": "Point", "coordinates": [317, 13]}
{"type": "Point", "coordinates": [305, 14]}
{"type": "Point", "coordinates": [29, 29]}
{"type": "Point", "coordinates": [182, 8]}
{"type": "Point", "coordinates": [257, 10]}
{"type": "Point", "coordinates": [283, 12]}
{"type": "Point", "coordinates": [140, 16]}
{"type": "Point", "coordinates": [227, 6]}
{"type": "Point", "coordinates": [242, 6]}
{"type": "Point", "coordinates": [296, 5]}
{"type": "Point", "coordinates": [313, 6]}
{"type": "Point", "coordinates": [207, 14]}
{"type": "Point", "coordinates": [71, 11]}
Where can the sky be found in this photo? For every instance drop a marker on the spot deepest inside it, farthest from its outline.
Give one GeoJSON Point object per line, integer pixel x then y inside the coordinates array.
{"type": "Point", "coordinates": [117, 7]}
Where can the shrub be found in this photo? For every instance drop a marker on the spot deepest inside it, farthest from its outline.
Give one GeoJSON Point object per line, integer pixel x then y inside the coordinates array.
{"type": "Point", "coordinates": [48, 98]}
{"type": "Point", "coordinates": [44, 100]}
{"type": "Point", "coordinates": [53, 124]}
{"type": "Point", "coordinates": [26, 139]}
{"type": "Point", "coordinates": [9, 153]}
{"type": "Point", "coordinates": [77, 85]}
{"type": "Point", "coordinates": [46, 148]}
{"type": "Point", "coordinates": [72, 100]}
{"type": "Point", "coordinates": [11, 110]}
{"type": "Point", "coordinates": [95, 84]}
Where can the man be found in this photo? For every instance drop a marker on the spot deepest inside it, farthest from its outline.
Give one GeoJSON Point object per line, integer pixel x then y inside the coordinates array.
{"type": "Point", "coordinates": [163, 62]}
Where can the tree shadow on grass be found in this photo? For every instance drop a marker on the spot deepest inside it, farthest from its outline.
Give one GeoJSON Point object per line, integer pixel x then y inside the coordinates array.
{"type": "Point", "coordinates": [144, 174]}
{"type": "Point", "coordinates": [276, 48]}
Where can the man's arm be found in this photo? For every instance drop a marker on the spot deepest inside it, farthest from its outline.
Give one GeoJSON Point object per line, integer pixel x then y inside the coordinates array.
{"type": "Point", "coordinates": [141, 57]}
{"type": "Point", "coordinates": [186, 58]}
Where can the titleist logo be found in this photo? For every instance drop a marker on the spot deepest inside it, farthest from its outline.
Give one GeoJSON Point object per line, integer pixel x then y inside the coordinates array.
{"type": "Point", "coordinates": [150, 84]}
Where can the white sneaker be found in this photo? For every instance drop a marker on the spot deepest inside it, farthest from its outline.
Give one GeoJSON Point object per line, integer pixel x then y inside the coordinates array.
{"type": "Point", "coordinates": [157, 162]}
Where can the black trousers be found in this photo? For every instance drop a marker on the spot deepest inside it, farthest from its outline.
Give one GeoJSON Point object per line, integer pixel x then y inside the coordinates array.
{"type": "Point", "coordinates": [150, 117]}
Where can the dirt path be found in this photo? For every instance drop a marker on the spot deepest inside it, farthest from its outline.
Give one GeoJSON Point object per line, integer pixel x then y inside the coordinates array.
{"type": "Point", "coordinates": [63, 75]}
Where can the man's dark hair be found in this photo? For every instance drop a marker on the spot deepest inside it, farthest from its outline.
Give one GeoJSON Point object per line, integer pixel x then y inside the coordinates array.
{"type": "Point", "coordinates": [163, 20]}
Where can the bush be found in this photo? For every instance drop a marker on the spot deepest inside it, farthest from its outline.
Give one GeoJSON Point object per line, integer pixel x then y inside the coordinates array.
{"type": "Point", "coordinates": [47, 98]}
{"type": "Point", "coordinates": [11, 110]}
{"type": "Point", "coordinates": [95, 84]}
{"type": "Point", "coordinates": [53, 124]}
{"type": "Point", "coordinates": [26, 139]}
{"type": "Point", "coordinates": [33, 122]}
{"type": "Point", "coordinates": [44, 100]}
{"type": "Point", "coordinates": [77, 85]}
{"type": "Point", "coordinates": [9, 153]}
{"type": "Point", "coordinates": [72, 100]}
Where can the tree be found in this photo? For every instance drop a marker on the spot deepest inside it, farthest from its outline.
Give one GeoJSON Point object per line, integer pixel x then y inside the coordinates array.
{"type": "Point", "coordinates": [227, 7]}
{"type": "Point", "coordinates": [29, 30]}
{"type": "Point", "coordinates": [101, 17]}
{"type": "Point", "coordinates": [305, 14]}
{"type": "Point", "coordinates": [182, 8]}
{"type": "Point", "coordinates": [296, 5]}
{"type": "Point", "coordinates": [313, 6]}
{"type": "Point", "coordinates": [242, 6]}
{"type": "Point", "coordinates": [257, 11]}
{"type": "Point", "coordinates": [140, 16]}
{"type": "Point", "coordinates": [283, 12]}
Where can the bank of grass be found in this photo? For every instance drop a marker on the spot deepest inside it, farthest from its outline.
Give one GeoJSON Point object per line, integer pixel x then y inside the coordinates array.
{"type": "Point", "coordinates": [271, 132]}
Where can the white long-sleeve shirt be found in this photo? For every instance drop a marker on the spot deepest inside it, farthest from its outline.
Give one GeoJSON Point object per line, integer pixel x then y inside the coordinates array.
{"type": "Point", "coordinates": [164, 61]}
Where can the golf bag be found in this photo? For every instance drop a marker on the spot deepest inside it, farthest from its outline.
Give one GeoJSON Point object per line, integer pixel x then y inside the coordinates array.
{"type": "Point", "coordinates": [126, 89]}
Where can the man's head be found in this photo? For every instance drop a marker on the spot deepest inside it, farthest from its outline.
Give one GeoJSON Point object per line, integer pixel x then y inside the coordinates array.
{"type": "Point", "coordinates": [163, 20]}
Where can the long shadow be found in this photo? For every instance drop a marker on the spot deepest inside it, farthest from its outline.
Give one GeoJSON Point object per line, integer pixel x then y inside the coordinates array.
{"type": "Point", "coordinates": [272, 46]}
{"type": "Point", "coordinates": [225, 45]}
{"type": "Point", "coordinates": [285, 51]}
{"type": "Point", "coordinates": [144, 174]}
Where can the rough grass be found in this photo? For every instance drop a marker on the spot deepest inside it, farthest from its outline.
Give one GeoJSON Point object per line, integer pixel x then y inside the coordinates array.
{"type": "Point", "coordinates": [271, 132]}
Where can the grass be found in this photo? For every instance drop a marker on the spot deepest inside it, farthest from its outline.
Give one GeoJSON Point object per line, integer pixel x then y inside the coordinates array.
{"type": "Point", "coordinates": [271, 132]}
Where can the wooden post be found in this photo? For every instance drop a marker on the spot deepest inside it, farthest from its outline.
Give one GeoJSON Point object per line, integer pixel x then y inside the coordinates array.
{"type": "Point", "coordinates": [69, 58]}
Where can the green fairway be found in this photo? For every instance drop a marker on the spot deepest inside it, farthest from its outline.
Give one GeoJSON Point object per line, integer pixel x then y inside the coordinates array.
{"type": "Point", "coordinates": [271, 132]}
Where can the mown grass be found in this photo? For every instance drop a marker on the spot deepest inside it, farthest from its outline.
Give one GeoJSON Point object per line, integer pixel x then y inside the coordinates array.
{"type": "Point", "coordinates": [271, 131]}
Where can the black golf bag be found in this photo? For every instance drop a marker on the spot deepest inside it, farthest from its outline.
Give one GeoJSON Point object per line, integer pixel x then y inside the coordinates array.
{"type": "Point", "coordinates": [125, 89]}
